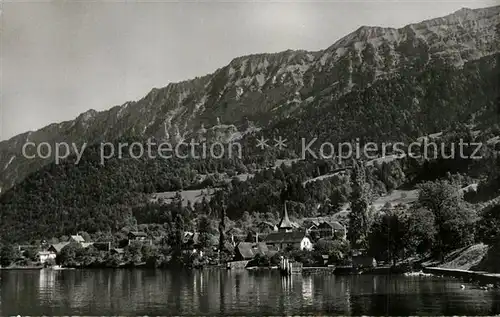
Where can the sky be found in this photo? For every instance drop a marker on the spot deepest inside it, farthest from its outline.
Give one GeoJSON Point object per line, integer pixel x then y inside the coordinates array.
{"type": "Point", "coordinates": [61, 58]}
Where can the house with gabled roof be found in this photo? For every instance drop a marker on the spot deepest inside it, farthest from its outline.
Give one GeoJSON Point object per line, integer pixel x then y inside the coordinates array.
{"type": "Point", "coordinates": [266, 226]}
{"type": "Point", "coordinates": [243, 251]}
{"type": "Point", "coordinates": [77, 238]}
{"type": "Point", "coordinates": [118, 251]}
{"type": "Point", "coordinates": [289, 240]}
{"type": "Point", "coordinates": [191, 238]}
{"type": "Point", "coordinates": [57, 247]}
{"type": "Point", "coordinates": [137, 236]}
{"type": "Point", "coordinates": [324, 227]}
{"type": "Point", "coordinates": [45, 256]}
{"type": "Point", "coordinates": [248, 250]}
{"type": "Point", "coordinates": [331, 229]}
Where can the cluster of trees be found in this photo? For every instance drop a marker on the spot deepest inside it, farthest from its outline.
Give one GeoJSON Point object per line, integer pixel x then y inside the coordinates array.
{"type": "Point", "coordinates": [8, 255]}
{"type": "Point", "coordinates": [440, 221]}
{"type": "Point", "coordinates": [337, 251]}
{"type": "Point", "coordinates": [134, 255]}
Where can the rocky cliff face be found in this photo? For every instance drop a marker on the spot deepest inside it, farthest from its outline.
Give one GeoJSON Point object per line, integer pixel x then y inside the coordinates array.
{"type": "Point", "coordinates": [254, 91]}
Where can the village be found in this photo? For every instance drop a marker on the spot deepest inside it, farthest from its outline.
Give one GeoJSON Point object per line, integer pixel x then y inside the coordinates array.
{"type": "Point", "coordinates": [272, 241]}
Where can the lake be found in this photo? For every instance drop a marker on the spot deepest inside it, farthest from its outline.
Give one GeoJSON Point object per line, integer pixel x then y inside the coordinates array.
{"type": "Point", "coordinates": [220, 292]}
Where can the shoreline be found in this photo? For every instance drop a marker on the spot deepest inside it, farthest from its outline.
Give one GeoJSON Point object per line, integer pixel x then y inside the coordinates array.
{"type": "Point", "coordinates": [481, 277]}
{"type": "Point", "coordinates": [21, 268]}
{"type": "Point", "coordinates": [466, 275]}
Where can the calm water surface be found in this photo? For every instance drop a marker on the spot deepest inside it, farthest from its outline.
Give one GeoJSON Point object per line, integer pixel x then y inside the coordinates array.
{"type": "Point", "coordinates": [214, 292]}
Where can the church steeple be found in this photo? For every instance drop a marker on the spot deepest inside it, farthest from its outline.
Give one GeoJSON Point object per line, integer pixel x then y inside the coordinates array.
{"type": "Point", "coordinates": [285, 223]}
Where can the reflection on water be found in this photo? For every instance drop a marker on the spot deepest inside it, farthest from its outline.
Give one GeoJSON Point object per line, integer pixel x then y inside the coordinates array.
{"type": "Point", "coordinates": [307, 288]}
{"type": "Point", "coordinates": [157, 292]}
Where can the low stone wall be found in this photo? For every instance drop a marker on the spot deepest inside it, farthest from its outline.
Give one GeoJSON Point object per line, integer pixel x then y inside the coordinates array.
{"type": "Point", "coordinates": [471, 276]}
{"type": "Point", "coordinates": [237, 265]}
{"type": "Point", "coordinates": [317, 269]}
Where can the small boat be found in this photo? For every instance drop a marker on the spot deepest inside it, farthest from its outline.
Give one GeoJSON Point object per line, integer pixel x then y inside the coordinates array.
{"type": "Point", "coordinates": [55, 267]}
{"type": "Point", "coordinates": [419, 273]}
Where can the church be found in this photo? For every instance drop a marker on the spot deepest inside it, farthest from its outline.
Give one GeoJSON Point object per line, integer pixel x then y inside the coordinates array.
{"type": "Point", "coordinates": [288, 236]}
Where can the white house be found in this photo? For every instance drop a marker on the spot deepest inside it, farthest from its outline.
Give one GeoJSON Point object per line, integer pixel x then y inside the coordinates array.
{"type": "Point", "coordinates": [306, 244]}
{"type": "Point", "coordinates": [44, 256]}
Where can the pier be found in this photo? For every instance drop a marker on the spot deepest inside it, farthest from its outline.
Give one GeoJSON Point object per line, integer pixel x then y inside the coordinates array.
{"type": "Point", "coordinates": [289, 267]}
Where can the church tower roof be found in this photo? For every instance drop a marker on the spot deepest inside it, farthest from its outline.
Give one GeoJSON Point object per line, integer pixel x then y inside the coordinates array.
{"type": "Point", "coordinates": [285, 222]}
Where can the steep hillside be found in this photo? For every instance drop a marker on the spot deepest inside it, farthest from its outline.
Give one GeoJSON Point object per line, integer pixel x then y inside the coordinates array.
{"type": "Point", "coordinates": [403, 108]}
{"type": "Point", "coordinates": [262, 90]}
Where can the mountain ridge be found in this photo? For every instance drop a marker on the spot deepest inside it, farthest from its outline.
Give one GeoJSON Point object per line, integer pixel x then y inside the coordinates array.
{"type": "Point", "coordinates": [265, 88]}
